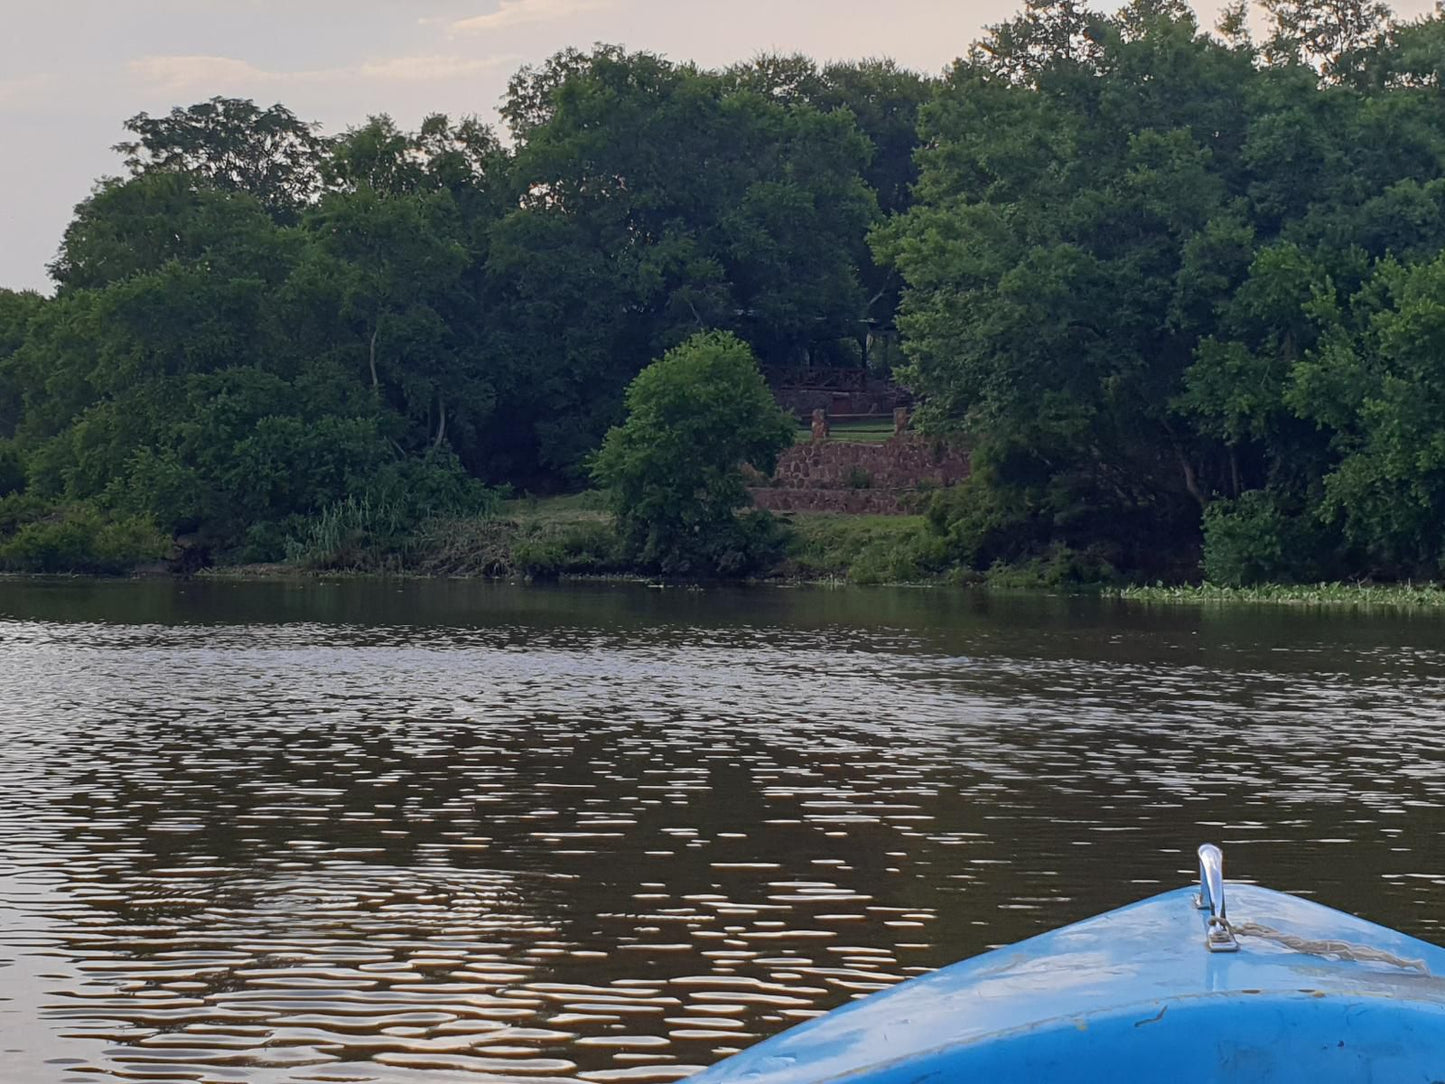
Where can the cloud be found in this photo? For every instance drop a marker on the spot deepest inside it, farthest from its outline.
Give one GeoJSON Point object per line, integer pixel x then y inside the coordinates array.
{"type": "Point", "coordinates": [218, 73]}
{"type": "Point", "coordinates": [431, 68]}
{"type": "Point", "coordinates": [527, 12]}
{"type": "Point", "coordinates": [186, 72]}
{"type": "Point", "coordinates": [22, 89]}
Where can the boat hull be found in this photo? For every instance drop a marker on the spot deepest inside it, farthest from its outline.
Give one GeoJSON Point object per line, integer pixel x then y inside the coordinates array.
{"type": "Point", "coordinates": [1312, 996]}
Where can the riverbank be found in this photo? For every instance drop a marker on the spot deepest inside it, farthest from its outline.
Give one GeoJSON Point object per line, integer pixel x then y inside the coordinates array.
{"type": "Point", "coordinates": [574, 538]}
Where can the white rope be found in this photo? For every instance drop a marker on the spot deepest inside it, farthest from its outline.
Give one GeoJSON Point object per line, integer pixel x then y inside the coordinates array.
{"type": "Point", "coordinates": [1340, 950]}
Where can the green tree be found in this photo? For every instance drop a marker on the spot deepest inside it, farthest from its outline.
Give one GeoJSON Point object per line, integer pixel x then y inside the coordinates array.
{"type": "Point", "coordinates": [674, 468]}
{"type": "Point", "coordinates": [1142, 265]}
{"type": "Point", "coordinates": [1074, 190]}
{"type": "Point", "coordinates": [654, 200]}
{"type": "Point", "coordinates": [382, 290]}
{"type": "Point", "coordinates": [226, 375]}
{"type": "Point", "coordinates": [1376, 383]}
{"type": "Point", "coordinates": [1335, 37]}
{"type": "Point", "coordinates": [139, 225]}
{"type": "Point", "coordinates": [16, 312]}
{"type": "Point", "coordinates": [884, 100]}
{"type": "Point", "coordinates": [439, 154]}
{"type": "Point", "coordinates": [233, 145]}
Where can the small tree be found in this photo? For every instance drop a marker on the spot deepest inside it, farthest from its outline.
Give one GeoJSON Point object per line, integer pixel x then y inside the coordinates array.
{"type": "Point", "coordinates": [674, 469]}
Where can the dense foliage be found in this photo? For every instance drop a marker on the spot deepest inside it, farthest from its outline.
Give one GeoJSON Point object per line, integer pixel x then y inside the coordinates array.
{"type": "Point", "coordinates": [674, 468]}
{"type": "Point", "coordinates": [1180, 290]}
{"type": "Point", "coordinates": [265, 342]}
{"type": "Point", "coordinates": [1168, 280]}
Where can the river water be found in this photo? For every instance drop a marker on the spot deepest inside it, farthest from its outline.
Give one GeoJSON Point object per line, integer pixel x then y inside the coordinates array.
{"type": "Point", "coordinates": [426, 832]}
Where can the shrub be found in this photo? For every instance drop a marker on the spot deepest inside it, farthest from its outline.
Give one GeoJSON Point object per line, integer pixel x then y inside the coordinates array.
{"type": "Point", "coordinates": [674, 469]}
{"type": "Point", "coordinates": [126, 542]}
{"type": "Point", "coordinates": [754, 542]}
{"type": "Point", "coordinates": [81, 539]}
{"type": "Point", "coordinates": [577, 548]}
{"type": "Point", "coordinates": [911, 558]}
{"type": "Point", "coordinates": [374, 530]}
{"type": "Point", "coordinates": [983, 523]}
{"type": "Point", "coordinates": [268, 541]}
{"type": "Point", "coordinates": [1252, 539]}
{"type": "Point", "coordinates": [854, 546]}
{"type": "Point", "coordinates": [18, 509]}
{"type": "Point", "coordinates": [350, 535]}
{"type": "Point", "coordinates": [1061, 569]}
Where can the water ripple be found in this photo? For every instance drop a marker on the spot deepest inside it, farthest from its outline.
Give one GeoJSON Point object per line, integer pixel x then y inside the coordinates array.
{"type": "Point", "coordinates": [615, 838]}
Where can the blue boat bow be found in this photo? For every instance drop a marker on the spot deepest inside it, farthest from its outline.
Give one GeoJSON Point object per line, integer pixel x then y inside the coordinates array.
{"type": "Point", "coordinates": [1277, 989]}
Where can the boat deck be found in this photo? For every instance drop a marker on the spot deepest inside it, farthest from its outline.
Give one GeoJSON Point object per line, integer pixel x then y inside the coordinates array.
{"type": "Point", "coordinates": [1311, 996]}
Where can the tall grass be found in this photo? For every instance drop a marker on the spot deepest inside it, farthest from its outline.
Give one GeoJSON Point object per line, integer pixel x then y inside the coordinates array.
{"type": "Point", "coordinates": [352, 535]}
{"type": "Point", "coordinates": [525, 538]}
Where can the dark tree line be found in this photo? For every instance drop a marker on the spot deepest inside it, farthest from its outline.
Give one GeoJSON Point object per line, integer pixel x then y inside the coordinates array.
{"type": "Point", "coordinates": [1182, 291]}
{"type": "Point", "coordinates": [257, 322]}
{"type": "Point", "coordinates": [1182, 287]}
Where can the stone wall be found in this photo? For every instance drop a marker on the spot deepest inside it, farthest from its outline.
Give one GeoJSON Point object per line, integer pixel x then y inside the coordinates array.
{"type": "Point", "coordinates": [840, 476]}
{"type": "Point", "coordinates": [900, 463]}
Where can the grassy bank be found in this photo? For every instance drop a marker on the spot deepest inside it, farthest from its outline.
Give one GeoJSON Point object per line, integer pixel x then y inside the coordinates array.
{"type": "Point", "coordinates": [576, 536]}
{"type": "Point", "coordinates": [861, 549]}
{"type": "Point", "coordinates": [873, 430]}
{"type": "Point", "coordinates": [527, 538]}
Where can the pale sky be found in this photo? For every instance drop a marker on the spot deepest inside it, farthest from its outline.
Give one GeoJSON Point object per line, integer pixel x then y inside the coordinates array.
{"type": "Point", "coordinates": [71, 71]}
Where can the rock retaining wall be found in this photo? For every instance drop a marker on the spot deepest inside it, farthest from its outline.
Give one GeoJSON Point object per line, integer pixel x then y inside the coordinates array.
{"type": "Point", "coordinates": [879, 479]}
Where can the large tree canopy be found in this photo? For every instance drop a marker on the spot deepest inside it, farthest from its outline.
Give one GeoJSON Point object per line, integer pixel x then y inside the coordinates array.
{"type": "Point", "coordinates": [259, 322]}
{"type": "Point", "coordinates": [655, 201]}
{"type": "Point", "coordinates": [226, 365]}
{"type": "Point", "coordinates": [1151, 271]}
{"type": "Point", "coordinates": [1176, 288]}
{"type": "Point", "coordinates": [233, 145]}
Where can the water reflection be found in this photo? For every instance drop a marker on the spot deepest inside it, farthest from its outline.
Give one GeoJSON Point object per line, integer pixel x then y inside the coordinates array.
{"type": "Point", "coordinates": [364, 832]}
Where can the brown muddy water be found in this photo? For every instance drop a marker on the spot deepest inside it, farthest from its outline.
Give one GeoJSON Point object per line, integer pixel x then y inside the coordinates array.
{"type": "Point", "coordinates": [428, 832]}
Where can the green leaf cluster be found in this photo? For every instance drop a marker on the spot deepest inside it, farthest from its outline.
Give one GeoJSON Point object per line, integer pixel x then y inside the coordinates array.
{"type": "Point", "coordinates": [1181, 290]}
{"type": "Point", "coordinates": [37, 538]}
{"type": "Point", "coordinates": [259, 329]}
{"type": "Point", "coordinates": [675, 468]}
